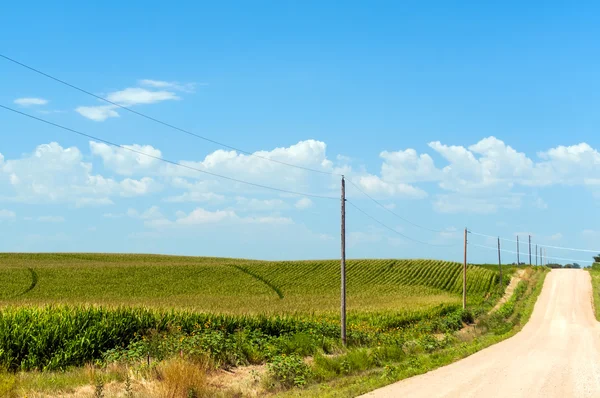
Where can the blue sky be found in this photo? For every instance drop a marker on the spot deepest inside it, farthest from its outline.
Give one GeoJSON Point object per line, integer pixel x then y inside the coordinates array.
{"type": "Point", "coordinates": [451, 116]}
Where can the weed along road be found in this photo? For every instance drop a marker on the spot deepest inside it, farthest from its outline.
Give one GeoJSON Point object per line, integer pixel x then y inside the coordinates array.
{"type": "Point", "coordinates": [557, 354]}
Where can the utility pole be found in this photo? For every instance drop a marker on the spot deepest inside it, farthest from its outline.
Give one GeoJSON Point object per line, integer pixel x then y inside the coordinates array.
{"type": "Point", "coordinates": [518, 261]}
{"type": "Point", "coordinates": [465, 274]}
{"type": "Point", "coordinates": [536, 255]}
{"type": "Point", "coordinates": [500, 264]}
{"type": "Point", "coordinates": [529, 250]}
{"type": "Point", "coordinates": [343, 270]}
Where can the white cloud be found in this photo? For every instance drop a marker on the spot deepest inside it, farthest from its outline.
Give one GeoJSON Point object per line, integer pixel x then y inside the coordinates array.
{"type": "Point", "coordinates": [144, 186]}
{"type": "Point", "coordinates": [7, 214]}
{"type": "Point", "coordinates": [132, 96]}
{"type": "Point", "coordinates": [97, 113]}
{"type": "Point", "coordinates": [127, 162]}
{"type": "Point", "coordinates": [304, 203]}
{"type": "Point", "coordinates": [374, 185]}
{"type": "Point", "coordinates": [408, 167]}
{"type": "Point", "coordinates": [135, 96]}
{"type": "Point", "coordinates": [489, 169]}
{"type": "Point", "coordinates": [185, 87]}
{"type": "Point", "coordinates": [200, 216]}
{"type": "Point", "coordinates": [29, 101]}
{"type": "Point", "coordinates": [51, 219]}
{"type": "Point", "coordinates": [53, 174]}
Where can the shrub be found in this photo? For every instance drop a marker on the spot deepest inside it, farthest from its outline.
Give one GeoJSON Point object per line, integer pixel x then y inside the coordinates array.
{"type": "Point", "coordinates": [289, 371]}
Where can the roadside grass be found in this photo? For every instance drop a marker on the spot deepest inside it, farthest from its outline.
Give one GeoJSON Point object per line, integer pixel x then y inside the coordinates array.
{"type": "Point", "coordinates": [594, 271]}
{"type": "Point", "coordinates": [490, 329]}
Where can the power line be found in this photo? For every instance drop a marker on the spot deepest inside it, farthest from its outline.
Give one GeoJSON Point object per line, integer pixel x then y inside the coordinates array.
{"type": "Point", "coordinates": [165, 123]}
{"type": "Point", "coordinates": [166, 160]}
{"type": "Point", "coordinates": [513, 252]}
{"type": "Point", "coordinates": [392, 229]}
{"type": "Point", "coordinates": [392, 212]}
{"type": "Point", "coordinates": [547, 246]}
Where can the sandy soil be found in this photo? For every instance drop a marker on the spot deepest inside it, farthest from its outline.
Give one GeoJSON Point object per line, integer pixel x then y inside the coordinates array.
{"type": "Point", "coordinates": [557, 354]}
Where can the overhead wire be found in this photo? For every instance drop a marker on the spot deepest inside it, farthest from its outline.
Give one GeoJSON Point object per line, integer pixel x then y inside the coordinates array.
{"type": "Point", "coordinates": [169, 125]}
{"type": "Point", "coordinates": [392, 212]}
{"type": "Point", "coordinates": [392, 229]}
{"type": "Point", "coordinates": [248, 153]}
{"type": "Point", "coordinates": [190, 133]}
{"type": "Point", "coordinates": [166, 160]}
{"type": "Point", "coordinates": [526, 254]}
{"type": "Point", "coordinates": [546, 246]}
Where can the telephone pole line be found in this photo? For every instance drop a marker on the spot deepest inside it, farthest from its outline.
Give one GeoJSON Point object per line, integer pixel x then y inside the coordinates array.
{"type": "Point", "coordinates": [343, 264]}
{"type": "Point", "coordinates": [518, 261]}
{"type": "Point", "coordinates": [464, 303]}
{"type": "Point", "coordinates": [500, 264]}
{"type": "Point", "coordinates": [530, 250]}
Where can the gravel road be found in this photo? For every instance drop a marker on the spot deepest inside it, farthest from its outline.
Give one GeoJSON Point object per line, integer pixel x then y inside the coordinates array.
{"type": "Point", "coordinates": [557, 354]}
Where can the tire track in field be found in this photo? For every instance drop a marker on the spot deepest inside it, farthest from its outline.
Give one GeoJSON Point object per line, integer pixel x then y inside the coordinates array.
{"type": "Point", "coordinates": [34, 282]}
{"type": "Point", "coordinates": [260, 278]}
{"type": "Point", "coordinates": [32, 285]}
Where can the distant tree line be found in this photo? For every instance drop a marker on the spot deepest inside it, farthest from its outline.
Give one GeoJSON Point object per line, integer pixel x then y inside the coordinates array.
{"type": "Point", "coordinates": [555, 265]}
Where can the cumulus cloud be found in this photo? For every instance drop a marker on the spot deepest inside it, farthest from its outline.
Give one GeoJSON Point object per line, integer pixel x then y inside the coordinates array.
{"type": "Point", "coordinates": [29, 101]}
{"type": "Point", "coordinates": [203, 186]}
{"type": "Point", "coordinates": [375, 185]}
{"type": "Point", "coordinates": [408, 167]}
{"type": "Point", "coordinates": [56, 174]}
{"type": "Point", "coordinates": [489, 169]}
{"type": "Point", "coordinates": [127, 162]}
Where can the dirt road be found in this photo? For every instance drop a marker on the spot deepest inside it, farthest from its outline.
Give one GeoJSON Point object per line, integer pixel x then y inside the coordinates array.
{"type": "Point", "coordinates": [557, 354]}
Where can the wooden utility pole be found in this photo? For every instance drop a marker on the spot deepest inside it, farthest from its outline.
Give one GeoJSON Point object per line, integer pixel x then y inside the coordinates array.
{"type": "Point", "coordinates": [530, 250]}
{"type": "Point", "coordinates": [518, 261]}
{"type": "Point", "coordinates": [465, 274]}
{"type": "Point", "coordinates": [500, 264]}
{"type": "Point", "coordinates": [343, 270]}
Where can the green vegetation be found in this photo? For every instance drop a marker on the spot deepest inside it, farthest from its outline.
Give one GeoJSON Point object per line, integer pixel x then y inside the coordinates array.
{"type": "Point", "coordinates": [235, 286]}
{"type": "Point", "coordinates": [595, 274]}
{"type": "Point", "coordinates": [162, 316]}
{"type": "Point", "coordinates": [411, 360]}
